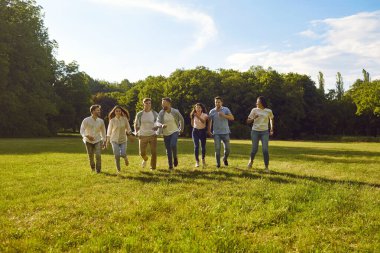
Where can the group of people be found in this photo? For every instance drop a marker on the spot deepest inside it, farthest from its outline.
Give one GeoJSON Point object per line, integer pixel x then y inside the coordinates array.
{"type": "Point", "coordinates": [169, 122]}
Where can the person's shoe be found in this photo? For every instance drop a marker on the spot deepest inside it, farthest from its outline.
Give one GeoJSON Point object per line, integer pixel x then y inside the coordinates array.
{"type": "Point", "coordinates": [218, 166]}
{"type": "Point", "coordinates": [152, 169]}
{"type": "Point", "coordinates": [197, 164]}
{"type": "Point", "coordinates": [249, 166]}
{"type": "Point", "coordinates": [170, 168]}
{"type": "Point", "coordinates": [143, 164]}
{"type": "Point", "coordinates": [267, 170]}
{"type": "Point", "coordinates": [118, 172]}
{"type": "Point", "coordinates": [175, 162]}
{"type": "Point", "coordinates": [126, 161]}
{"type": "Point", "coordinates": [203, 163]}
{"type": "Point", "coordinates": [225, 162]}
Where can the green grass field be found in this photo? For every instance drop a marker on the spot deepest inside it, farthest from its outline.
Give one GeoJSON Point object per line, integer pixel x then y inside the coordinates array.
{"type": "Point", "coordinates": [322, 197]}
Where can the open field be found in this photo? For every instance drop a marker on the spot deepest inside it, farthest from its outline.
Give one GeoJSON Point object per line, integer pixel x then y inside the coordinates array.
{"type": "Point", "coordinates": [322, 196]}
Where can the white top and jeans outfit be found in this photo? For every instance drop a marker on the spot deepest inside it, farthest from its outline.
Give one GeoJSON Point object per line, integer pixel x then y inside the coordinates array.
{"type": "Point", "coordinates": [199, 133]}
{"type": "Point", "coordinates": [260, 132]}
{"type": "Point", "coordinates": [116, 132]}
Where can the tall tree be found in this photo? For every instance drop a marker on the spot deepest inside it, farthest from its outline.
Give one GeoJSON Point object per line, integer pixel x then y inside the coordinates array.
{"type": "Point", "coordinates": [321, 82]}
{"type": "Point", "coordinates": [339, 86]}
{"type": "Point", "coordinates": [366, 78]}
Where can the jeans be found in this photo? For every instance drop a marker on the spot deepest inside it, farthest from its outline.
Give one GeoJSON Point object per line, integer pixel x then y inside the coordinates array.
{"type": "Point", "coordinates": [94, 149]}
{"type": "Point", "coordinates": [199, 135]}
{"type": "Point", "coordinates": [119, 150]}
{"type": "Point", "coordinates": [264, 137]}
{"type": "Point", "coordinates": [225, 138]}
{"type": "Point", "coordinates": [171, 147]}
{"type": "Point", "coordinates": [144, 141]}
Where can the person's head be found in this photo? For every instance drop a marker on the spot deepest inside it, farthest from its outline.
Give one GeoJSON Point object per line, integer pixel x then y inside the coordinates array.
{"type": "Point", "coordinates": [218, 102]}
{"type": "Point", "coordinates": [198, 108]}
{"type": "Point", "coordinates": [95, 110]}
{"type": "Point", "coordinates": [118, 111]}
{"type": "Point", "coordinates": [261, 102]}
{"type": "Point", "coordinates": [147, 102]}
{"type": "Point", "coordinates": [166, 103]}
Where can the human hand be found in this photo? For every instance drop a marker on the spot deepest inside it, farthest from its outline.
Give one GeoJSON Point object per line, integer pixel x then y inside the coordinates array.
{"type": "Point", "coordinates": [90, 138]}
{"type": "Point", "coordinates": [164, 125]}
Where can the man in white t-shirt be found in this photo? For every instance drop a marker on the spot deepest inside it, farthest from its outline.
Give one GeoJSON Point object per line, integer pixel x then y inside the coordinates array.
{"type": "Point", "coordinates": [145, 123]}
{"type": "Point", "coordinates": [172, 124]}
{"type": "Point", "coordinates": [93, 132]}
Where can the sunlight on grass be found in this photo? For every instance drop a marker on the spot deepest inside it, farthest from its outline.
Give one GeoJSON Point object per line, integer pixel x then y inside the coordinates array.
{"type": "Point", "coordinates": [320, 197]}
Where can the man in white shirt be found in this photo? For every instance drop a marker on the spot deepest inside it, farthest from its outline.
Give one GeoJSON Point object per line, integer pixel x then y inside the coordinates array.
{"type": "Point", "coordinates": [145, 129]}
{"type": "Point", "coordinates": [93, 132]}
{"type": "Point", "coordinates": [172, 124]}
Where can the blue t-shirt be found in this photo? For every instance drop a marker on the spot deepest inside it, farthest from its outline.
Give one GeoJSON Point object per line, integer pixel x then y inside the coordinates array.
{"type": "Point", "coordinates": [219, 124]}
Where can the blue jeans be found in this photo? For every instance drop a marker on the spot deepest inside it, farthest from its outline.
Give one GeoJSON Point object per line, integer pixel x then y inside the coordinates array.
{"type": "Point", "coordinates": [225, 138]}
{"type": "Point", "coordinates": [119, 150]}
{"type": "Point", "coordinates": [171, 147]}
{"type": "Point", "coordinates": [199, 135]}
{"type": "Point", "coordinates": [264, 137]}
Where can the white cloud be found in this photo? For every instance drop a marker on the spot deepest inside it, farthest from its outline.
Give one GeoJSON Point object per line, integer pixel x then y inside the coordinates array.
{"type": "Point", "coordinates": [206, 29]}
{"type": "Point", "coordinates": [345, 45]}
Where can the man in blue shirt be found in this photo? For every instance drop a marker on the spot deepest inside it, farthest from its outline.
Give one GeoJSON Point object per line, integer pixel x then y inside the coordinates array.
{"type": "Point", "coordinates": [218, 118]}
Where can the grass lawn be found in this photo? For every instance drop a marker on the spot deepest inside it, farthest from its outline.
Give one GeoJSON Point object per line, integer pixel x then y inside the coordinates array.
{"type": "Point", "coordinates": [322, 197]}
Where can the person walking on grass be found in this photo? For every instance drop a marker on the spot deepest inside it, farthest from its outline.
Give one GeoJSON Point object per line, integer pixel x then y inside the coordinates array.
{"type": "Point", "coordinates": [118, 129]}
{"type": "Point", "coordinates": [145, 130]}
{"type": "Point", "coordinates": [218, 120]}
{"type": "Point", "coordinates": [261, 116]}
{"type": "Point", "coordinates": [93, 132]}
{"type": "Point", "coordinates": [199, 118]}
{"type": "Point", "coordinates": [172, 124]}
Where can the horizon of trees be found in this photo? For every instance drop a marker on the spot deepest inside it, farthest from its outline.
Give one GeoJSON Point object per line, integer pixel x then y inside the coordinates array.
{"type": "Point", "coordinates": [42, 96]}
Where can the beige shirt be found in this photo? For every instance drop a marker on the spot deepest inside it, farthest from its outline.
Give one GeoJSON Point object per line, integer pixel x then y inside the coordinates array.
{"type": "Point", "coordinates": [94, 128]}
{"type": "Point", "coordinates": [117, 129]}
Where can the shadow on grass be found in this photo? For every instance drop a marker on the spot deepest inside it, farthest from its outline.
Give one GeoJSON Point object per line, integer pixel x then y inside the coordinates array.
{"type": "Point", "coordinates": [202, 176]}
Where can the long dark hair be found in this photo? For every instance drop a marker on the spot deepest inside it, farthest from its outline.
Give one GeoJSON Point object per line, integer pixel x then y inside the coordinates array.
{"type": "Point", "coordinates": [194, 110]}
{"type": "Point", "coordinates": [263, 101]}
{"type": "Point", "coordinates": [124, 112]}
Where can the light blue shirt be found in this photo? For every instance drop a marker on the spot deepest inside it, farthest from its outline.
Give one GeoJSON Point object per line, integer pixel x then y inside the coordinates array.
{"type": "Point", "coordinates": [219, 124]}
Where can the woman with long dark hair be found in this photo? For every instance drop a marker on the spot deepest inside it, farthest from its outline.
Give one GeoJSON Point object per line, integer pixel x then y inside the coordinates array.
{"type": "Point", "coordinates": [261, 117]}
{"type": "Point", "coordinates": [118, 129]}
{"type": "Point", "coordinates": [199, 118]}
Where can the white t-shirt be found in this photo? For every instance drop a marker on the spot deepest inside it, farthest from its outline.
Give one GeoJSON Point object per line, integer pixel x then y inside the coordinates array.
{"type": "Point", "coordinates": [147, 124]}
{"type": "Point", "coordinates": [171, 125]}
{"type": "Point", "coordinates": [261, 122]}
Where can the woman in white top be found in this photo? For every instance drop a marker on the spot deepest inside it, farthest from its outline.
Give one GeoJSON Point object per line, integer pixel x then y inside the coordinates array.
{"type": "Point", "coordinates": [199, 121]}
{"type": "Point", "coordinates": [261, 116]}
{"type": "Point", "coordinates": [118, 129]}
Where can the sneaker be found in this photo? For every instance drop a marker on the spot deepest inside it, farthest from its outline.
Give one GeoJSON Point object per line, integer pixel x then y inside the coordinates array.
{"type": "Point", "coordinates": [267, 170]}
{"type": "Point", "coordinates": [126, 161]}
{"type": "Point", "coordinates": [225, 162]}
{"type": "Point", "coordinates": [152, 169]}
{"type": "Point", "coordinates": [143, 163]}
{"type": "Point", "coordinates": [218, 166]}
{"type": "Point", "coordinates": [175, 162]}
{"type": "Point", "coordinates": [203, 163]}
{"type": "Point", "coordinates": [249, 166]}
{"type": "Point", "coordinates": [196, 164]}
{"type": "Point", "coordinates": [170, 168]}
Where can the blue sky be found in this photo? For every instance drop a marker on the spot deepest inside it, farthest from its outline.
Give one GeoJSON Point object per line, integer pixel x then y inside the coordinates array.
{"type": "Point", "coordinates": [117, 39]}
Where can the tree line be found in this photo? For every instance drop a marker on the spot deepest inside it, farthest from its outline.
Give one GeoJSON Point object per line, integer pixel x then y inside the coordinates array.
{"type": "Point", "coordinates": [41, 96]}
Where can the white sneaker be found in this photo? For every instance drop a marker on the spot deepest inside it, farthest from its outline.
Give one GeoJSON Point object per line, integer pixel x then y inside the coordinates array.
{"type": "Point", "coordinates": [196, 164]}
{"type": "Point", "coordinates": [249, 166]}
{"type": "Point", "coordinates": [143, 163]}
{"type": "Point", "coordinates": [204, 163]}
